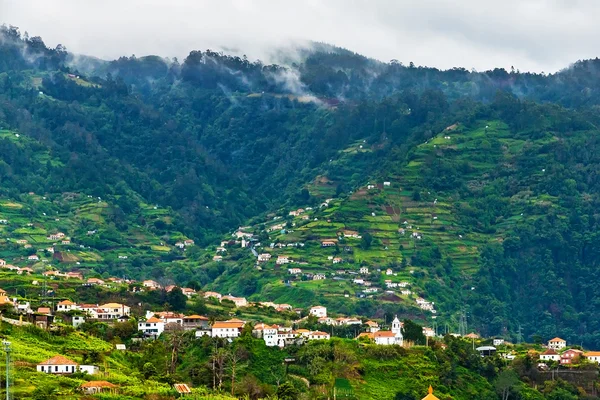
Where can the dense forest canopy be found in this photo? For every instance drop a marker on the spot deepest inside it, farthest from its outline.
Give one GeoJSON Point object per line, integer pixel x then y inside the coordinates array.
{"type": "Point", "coordinates": [220, 139]}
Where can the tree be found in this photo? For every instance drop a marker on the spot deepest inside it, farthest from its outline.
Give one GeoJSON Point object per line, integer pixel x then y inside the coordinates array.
{"type": "Point", "coordinates": [176, 299]}
{"type": "Point", "coordinates": [149, 370]}
{"type": "Point", "coordinates": [413, 332]}
{"type": "Point", "coordinates": [505, 382]}
{"type": "Point", "coordinates": [366, 240]}
{"type": "Point", "coordinates": [405, 394]}
{"type": "Point", "coordinates": [287, 391]}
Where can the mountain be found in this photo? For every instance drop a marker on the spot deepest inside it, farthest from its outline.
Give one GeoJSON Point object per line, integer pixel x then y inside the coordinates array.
{"type": "Point", "coordinates": [495, 171]}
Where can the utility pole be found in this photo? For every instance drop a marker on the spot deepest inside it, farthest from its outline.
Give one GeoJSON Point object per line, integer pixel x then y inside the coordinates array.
{"type": "Point", "coordinates": [7, 350]}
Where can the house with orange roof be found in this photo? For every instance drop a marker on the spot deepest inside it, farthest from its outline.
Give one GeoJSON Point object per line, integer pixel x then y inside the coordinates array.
{"type": "Point", "coordinates": [188, 292]}
{"type": "Point", "coordinates": [372, 326]}
{"type": "Point", "coordinates": [58, 365]}
{"type": "Point", "coordinates": [66, 306]}
{"type": "Point", "coordinates": [318, 335]}
{"type": "Point", "coordinates": [557, 343]}
{"type": "Point", "coordinates": [550, 355]}
{"type": "Point", "coordinates": [366, 335]}
{"type": "Point", "coordinates": [592, 356]}
{"type": "Point", "coordinates": [195, 322]}
{"type": "Point", "coordinates": [227, 329]}
{"type": "Point", "coordinates": [152, 327]}
{"type": "Point", "coordinates": [216, 295]}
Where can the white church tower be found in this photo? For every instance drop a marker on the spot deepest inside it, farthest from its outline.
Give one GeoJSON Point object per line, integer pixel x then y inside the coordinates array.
{"type": "Point", "coordinates": [397, 330]}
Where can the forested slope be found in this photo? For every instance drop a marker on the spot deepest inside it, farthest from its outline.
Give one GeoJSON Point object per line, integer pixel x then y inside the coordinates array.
{"type": "Point", "coordinates": [219, 140]}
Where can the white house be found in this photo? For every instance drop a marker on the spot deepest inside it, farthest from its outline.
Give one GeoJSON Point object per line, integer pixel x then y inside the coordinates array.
{"type": "Point", "coordinates": [387, 183]}
{"type": "Point", "coordinates": [227, 329]}
{"type": "Point", "coordinates": [66, 306]}
{"type": "Point", "coordinates": [150, 284]}
{"type": "Point", "coordinates": [216, 295]}
{"type": "Point", "coordinates": [550, 355]}
{"type": "Point", "coordinates": [152, 327]}
{"type": "Point", "coordinates": [318, 277]}
{"type": "Point", "coordinates": [89, 369]}
{"type": "Point", "coordinates": [294, 271]}
{"type": "Point", "coordinates": [337, 260]}
{"type": "Point", "coordinates": [389, 271]}
{"type": "Point", "coordinates": [113, 311]}
{"type": "Point", "coordinates": [557, 343]}
{"type": "Point", "coordinates": [77, 320]}
{"type": "Point", "coordinates": [283, 260]}
{"type": "Point", "coordinates": [498, 341]}
{"type": "Point", "coordinates": [264, 257]}
{"type": "Point", "coordinates": [238, 301]}
{"type": "Point", "coordinates": [58, 365]}
{"type": "Point", "coordinates": [317, 335]}
{"type": "Point", "coordinates": [318, 311]}
{"type": "Point", "coordinates": [364, 270]}
{"type": "Point", "coordinates": [593, 356]}
{"type": "Point", "coordinates": [372, 326]}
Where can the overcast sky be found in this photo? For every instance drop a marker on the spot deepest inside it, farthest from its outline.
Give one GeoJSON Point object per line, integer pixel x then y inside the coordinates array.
{"type": "Point", "coordinates": [534, 35]}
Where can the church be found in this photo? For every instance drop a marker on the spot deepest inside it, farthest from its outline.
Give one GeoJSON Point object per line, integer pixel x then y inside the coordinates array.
{"type": "Point", "coordinates": [393, 336]}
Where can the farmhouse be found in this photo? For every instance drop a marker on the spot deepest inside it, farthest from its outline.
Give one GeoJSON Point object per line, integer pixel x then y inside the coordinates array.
{"type": "Point", "coordinates": [58, 365]}
{"type": "Point", "coordinates": [327, 243]}
{"type": "Point", "coordinates": [294, 271]}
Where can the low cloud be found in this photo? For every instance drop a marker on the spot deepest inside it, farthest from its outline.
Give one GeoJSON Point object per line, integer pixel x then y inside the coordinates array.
{"type": "Point", "coordinates": [534, 35]}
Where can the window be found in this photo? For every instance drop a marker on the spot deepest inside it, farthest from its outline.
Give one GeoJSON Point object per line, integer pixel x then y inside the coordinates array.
{"type": "Point", "coordinates": [56, 368]}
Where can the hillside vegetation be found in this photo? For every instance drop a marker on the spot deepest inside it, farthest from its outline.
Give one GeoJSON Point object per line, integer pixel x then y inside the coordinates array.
{"type": "Point", "coordinates": [490, 211]}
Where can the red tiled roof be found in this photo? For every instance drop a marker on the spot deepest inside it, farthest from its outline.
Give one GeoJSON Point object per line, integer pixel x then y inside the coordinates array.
{"type": "Point", "coordinates": [182, 388]}
{"type": "Point", "coordinates": [384, 334]}
{"type": "Point", "coordinates": [550, 352]}
{"type": "Point", "coordinates": [98, 384]}
{"type": "Point", "coordinates": [196, 317]}
{"type": "Point", "coordinates": [58, 360]}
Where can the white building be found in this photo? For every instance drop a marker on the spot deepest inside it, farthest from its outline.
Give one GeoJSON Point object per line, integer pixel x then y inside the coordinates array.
{"type": "Point", "coordinates": [557, 343]}
{"type": "Point", "coordinates": [77, 320]}
{"type": "Point", "coordinates": [550, 355]}
{"type": "Point", "coordinates": [66, 306]}
{"type": "Point", "coordinates": [89, 369]}
{"type": "Point", "coordinates": [58, 365]}
{"type": "Point", "coordinates": [227, 329]}
{"type": "Point", "coordinates": [264, 257]}
{"type": "Point", "coordinates": [364, 270]}
{"type": "Point", "coordinates": [238, 301]}
{"type": "Point", "coordinates": [152, 327]}
{"type": "Point", "coordinates": [113, 311]}
{"type": "Point", "coordinates": [393, 336]}
{"type": "Point", "coordinates": [317, 335]}
{"type": "Point", "coordinates": [318, 311]}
